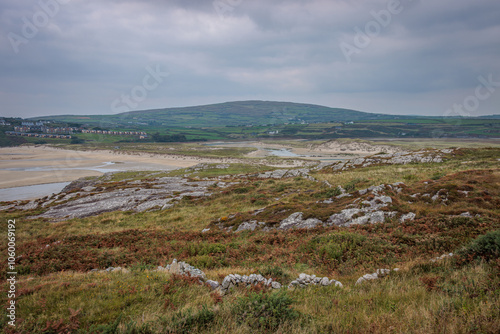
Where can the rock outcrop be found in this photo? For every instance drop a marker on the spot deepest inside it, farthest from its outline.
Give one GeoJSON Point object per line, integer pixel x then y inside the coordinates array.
{"type": "Point", "coordinates": [295, 220]}
{"type": "Point", "coordinates": [397, 158]}
{"type": "Point", "coordinates": [284, 173]}
{"type": "Point", "coordinates": [138, 196]}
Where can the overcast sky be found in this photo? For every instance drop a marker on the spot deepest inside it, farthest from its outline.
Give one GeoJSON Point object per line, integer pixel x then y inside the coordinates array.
{"type": "Point", "coordinates": [425, 57]}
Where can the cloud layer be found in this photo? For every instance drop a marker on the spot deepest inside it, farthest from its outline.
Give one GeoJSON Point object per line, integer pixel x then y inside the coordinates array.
{"type": "Point", "coordinates": [400, 57]}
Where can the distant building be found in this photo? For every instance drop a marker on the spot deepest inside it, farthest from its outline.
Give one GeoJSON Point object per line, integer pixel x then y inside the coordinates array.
{"type": "Point", "coordinates": [36, 135]}
{"type": "Point", "coordinates": [141, 134]}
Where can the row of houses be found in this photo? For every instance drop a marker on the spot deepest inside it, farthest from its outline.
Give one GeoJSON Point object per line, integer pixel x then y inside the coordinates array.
{"type": "Point", "coordinates": [3, 122]}
{"type": "Point", "coordinates": [46, 129]}
{"type": "Point", "coordinates": [37, 135]}
{"type": "Point", "coordinates": [119, 133]}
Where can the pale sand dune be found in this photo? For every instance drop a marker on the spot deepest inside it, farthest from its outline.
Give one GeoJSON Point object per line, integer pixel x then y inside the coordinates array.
{"type": "Point", "coordinates": [49, 165]}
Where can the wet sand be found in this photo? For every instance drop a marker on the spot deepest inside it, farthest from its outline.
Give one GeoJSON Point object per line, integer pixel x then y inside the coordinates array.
{"type": "Point", "coordinates": [32, 165]}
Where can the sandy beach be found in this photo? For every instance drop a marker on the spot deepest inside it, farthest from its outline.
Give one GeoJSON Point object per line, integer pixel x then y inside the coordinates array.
{"type": "Point", "coordinates": [32, 165]}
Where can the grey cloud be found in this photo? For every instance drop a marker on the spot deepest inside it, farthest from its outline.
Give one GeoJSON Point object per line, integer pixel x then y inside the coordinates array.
{"type": "Point", "coordinates": [93, 51]}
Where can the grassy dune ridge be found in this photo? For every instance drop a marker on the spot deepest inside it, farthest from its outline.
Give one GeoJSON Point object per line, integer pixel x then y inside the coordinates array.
{"type": "Point", "coordinates": [461, 294]}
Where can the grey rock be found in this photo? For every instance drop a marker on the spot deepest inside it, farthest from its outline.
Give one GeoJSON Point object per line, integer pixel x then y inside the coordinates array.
{"type": "Point", "coordinates": [7, 207]}
{"type": "Point", "coordinates": [226, 282]}
{"type": "Point", "coordinates": [30, 206]}
{"type": "Point", "coordinates": [276, 285]}
{"type": "Point", "coordinates": [295, 220]}
{"type": "Point", "coordinates": [213, 284]}
{"type": "Point", "coordinates": [157, 194]}
{"type": "Point", "coordinates": [325, 281]}
{"type": "Point", "coordinates": [252, 225]}
{"type": "Point", "coordinates": [409, 216]}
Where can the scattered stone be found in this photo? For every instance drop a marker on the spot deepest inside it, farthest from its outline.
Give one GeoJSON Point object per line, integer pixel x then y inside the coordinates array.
{"type": "Point", "coordinates": [369, 213]}
{"type": "Point", "coordinates": [442, 257]}
{"type": "Point", "coordinates": [183, 268]}
{"type": "Point", "coordinates": [409, 216]}
{"type": "Point", "coordinates": [304, 280]}
{"type": "Point", "coordinates": [379, 273]}
{"type": "Point", "coordinates": [213, 284]}
{"type": "Point", "coordinates": [234, 280]}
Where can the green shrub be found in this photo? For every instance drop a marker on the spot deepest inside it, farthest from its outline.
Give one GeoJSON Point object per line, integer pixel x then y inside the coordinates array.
{"type": "Point", "coordinates": [186, 322]}
{"type": "Point", "coordinates": [242, 190]}
{"type": "Point", "coordinates": [141, 267]}
{"type": "Point", "coordinates": [111, 328]}
{"type": "Point", "coordinates": [410, 177]}
{"type": "Point", "coordinates": [328, 193]}
{"type": "Point", "coordinates": [265, 312]}
{"type": "Point", "coordinates": [437, 176]}
{"type": "Point", "coordinates": [485, 247]}
{"type": "Point", "coordinates": [275, 272]}
{"type": "Point", "coordinates": [351, 185]}
{"type": "Point", "coordinates": [336, 245]}
{"type": "Point", "coordinates": [203, 261]}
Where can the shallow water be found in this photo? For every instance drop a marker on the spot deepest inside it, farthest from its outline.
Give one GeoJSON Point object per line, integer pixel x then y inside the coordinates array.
{"type": "Point", "coordinates": [42, 190]}
{"type": "Point", "coordinates": [102, 168]}
{"type": "Point", "coordinates": [31, 192]}
{"type": "Point", "coordinates": [282, 153]}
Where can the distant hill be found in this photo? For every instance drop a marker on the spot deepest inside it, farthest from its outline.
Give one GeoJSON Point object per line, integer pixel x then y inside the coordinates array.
{"type": "Point", "coordinates": [231, 114]}
{"type": "Point", "coordinates": [251, 112]}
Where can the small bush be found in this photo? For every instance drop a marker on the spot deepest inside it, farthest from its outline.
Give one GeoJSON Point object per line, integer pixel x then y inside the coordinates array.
{"type": "Point", "coordinates": [485, 247]}
{"type": "Point", "coordinates": [203, 261]}
{"type": "Point", "coordinates": [141, 267]}
{"type": "Point", "coordinates": [265, 312]}
{"type": "Point", "coordinates": [351, 185]}
{"type": "Point", "coordinates": [410, 177]}
{"type": "Point", "coordinates": [186, 322]}
{"type": "Point", "coordinates": [437, 176]}
{"type": "Point", "coordinates": [275, 272]}
{"type": "Point", "coordinates": [328, 193]}
{"type": "Point", "coordinates": [242, 190]}
{"type": "Point", "coordinates": [111, 328]}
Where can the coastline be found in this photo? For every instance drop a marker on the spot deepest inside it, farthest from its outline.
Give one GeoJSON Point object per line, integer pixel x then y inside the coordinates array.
{"type": "Point", "coordinates": [35, 165]}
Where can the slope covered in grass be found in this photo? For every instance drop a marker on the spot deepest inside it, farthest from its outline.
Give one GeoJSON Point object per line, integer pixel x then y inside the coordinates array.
{"type": "Point", "coordinates": [456, 202]}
